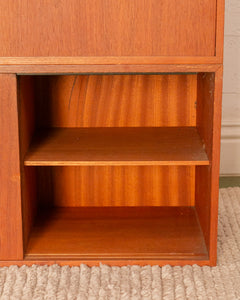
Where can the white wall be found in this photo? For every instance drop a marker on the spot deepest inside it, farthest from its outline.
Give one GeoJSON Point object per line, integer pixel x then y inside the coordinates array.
{"type": "Point", "coordinates": [230, 144]}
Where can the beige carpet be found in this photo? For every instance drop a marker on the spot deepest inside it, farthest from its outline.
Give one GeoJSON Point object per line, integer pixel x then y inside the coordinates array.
{"type": "Point", "coordinates": [221, 282]}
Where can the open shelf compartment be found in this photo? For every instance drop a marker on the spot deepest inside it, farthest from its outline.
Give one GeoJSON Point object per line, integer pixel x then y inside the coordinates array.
{"type": "Point", "coordinates": [113, 166]}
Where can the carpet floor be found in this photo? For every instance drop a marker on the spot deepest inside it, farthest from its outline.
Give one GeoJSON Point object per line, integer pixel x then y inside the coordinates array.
{"type": "Point", "coordinates": [135, 282]}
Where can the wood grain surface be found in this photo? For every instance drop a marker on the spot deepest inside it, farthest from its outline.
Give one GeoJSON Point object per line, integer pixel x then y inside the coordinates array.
{"type": "Point", "coordinates": [116, 100]}
{"type": "Point", "coordinates": [11, 244]}
{"type": "Point", "coordinates": [220, 29]}
{"type": "Point", "coordinates": [143, 233]}
{"type": "Point", "coordinates": [107, 28]}
{"type": "Point", "coordinates": [116, 186]}
{"type": "Point", "coordinates": [26, 111]}
{"type": "Point", "coordinates": [216, 139]}
{"type": "Point", "coordinates": [205, 112]}
{"type": "Point", "coordinates": [165, 65]}
{"type": "Point", "coordinates": [117, 146]}
{"type": "Point", "coordinates": [207, 178]}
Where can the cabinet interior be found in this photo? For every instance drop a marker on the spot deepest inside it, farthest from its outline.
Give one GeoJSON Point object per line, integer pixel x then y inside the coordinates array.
{"type": "Point", "coordinates": [115, 165]}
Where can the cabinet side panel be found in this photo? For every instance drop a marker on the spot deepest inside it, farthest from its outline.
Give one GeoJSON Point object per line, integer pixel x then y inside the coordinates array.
{"type": "Point", "coordinates": [220, 28]}
{"type": "Point", "coordinates": [207, 178]}
{"type": "Point", "coordinates": [11, 245]}
{"type": "Point", "coordinates": [26, 106]}
{"type": "Point", "coordinates": [205, 103]}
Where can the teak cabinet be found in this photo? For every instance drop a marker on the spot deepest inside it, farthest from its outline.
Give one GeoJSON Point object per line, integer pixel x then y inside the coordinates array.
{"type": "Point", "coordinates": [110, 117]}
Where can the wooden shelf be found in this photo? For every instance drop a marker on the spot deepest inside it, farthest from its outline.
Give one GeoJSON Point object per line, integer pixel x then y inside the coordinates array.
{"type": "Point", "coordinates": [118, 233]}
{"type": "Point", "coordinates": [117, 146]}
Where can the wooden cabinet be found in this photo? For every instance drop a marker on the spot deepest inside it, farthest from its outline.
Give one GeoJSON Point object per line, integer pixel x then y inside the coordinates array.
{"type": "Point", "coordinates": [110, 131]}
{"type": "Point", "coordinates": [108, 28]}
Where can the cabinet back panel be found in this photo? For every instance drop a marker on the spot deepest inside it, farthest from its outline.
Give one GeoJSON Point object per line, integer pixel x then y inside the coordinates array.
{"type": "Point", "coordinates": [108, 28]}
{"type": "Point", "coordinates": [116, 100]}
{"type": "Point", "coordinates": [116, 186]}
